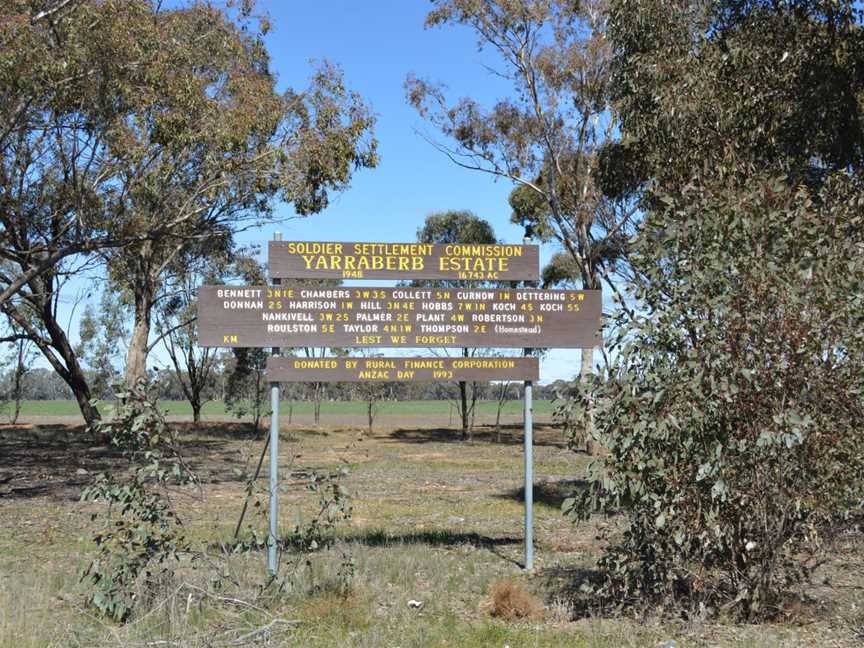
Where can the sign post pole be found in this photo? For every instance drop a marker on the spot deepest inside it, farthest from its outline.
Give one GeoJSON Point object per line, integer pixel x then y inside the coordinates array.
{"type": "Point", "coordinates": [529, 476]}
{"type": "Point", "coordinates": [273, 537]}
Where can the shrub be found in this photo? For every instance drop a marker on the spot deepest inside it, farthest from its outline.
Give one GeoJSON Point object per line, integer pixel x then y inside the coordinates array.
{"type": "Point", "coordinates": [141, 536]}
{"type": "Point", "coordinates": [733, 410]}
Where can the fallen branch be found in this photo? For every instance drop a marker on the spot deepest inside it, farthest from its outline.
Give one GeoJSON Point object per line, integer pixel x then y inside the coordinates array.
{"type": "Point", "coordinates": [242, 640]}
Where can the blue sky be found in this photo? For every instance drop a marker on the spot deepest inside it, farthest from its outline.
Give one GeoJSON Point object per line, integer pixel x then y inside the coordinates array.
{"type": "Point", "coordinates": [377, 44]}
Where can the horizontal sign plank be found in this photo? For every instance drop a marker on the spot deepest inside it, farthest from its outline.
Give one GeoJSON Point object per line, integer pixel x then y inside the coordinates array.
{"type": "Point", "coordinates": [291, 369]}
{"type": "Point", "coordinates": [304, 316]}
{"type": "Point", "coordinates": [454, 262]}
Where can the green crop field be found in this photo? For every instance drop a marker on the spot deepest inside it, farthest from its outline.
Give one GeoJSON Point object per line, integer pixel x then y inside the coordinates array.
{"type": "Point", "coordinates": [486, 410]}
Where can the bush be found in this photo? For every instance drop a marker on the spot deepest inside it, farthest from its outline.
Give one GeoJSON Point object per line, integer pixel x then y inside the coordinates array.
{"type": "Point", "coordinates": [733, 410]}
{"type": "Point", "coordinates": [142, 536]}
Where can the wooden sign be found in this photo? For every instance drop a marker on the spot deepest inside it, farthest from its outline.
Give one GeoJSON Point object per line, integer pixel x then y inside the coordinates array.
{"type": "Point", "coordinates": [305, 316]}
{"type": "Point", "coordinates": [293, 369]}
{"type": "Point", "coordinates": [454, 262]}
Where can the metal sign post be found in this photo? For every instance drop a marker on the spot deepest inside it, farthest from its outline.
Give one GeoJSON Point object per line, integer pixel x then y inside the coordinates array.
{"type": "Point", "coordinates": [529, 476]}
{"type": "Point", "coordinates": [273, 537]}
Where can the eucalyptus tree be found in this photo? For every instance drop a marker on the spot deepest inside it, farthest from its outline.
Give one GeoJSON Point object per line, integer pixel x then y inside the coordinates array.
{"type": "Point", "coordinates": [465, 227]}
{"type": "Point", "coordinates": [546, 134]}
{"type": "Point", "coordinates": [726, 88]}
{"type": "Point", "coordinates": [176, 322]}
{"type": "Point", "coordinates": [241, 146]}
{"type": "Point", "coordinates": [246, 388]}
{"type": "Point", "coordinates": [66, 72]}
{"type": "Point", "coordinates": [14, 369]}
{"type": "Point", "coordinates": [737, 396]}
{"type": "Point", "coordinates": [102, 332]}
{"type": "Point", "coordinates": [733, 414]}
{"type": "Point", "coordinates": [143, 131]}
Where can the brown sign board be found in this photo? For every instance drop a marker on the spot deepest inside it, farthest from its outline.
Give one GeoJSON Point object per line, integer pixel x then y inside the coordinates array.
{"type": "Point", "coordinates": [292, 369]}
{"type": "Point", "coordinates": [343, 316]}
{"type": "Point", "coordinates": [454, 262]}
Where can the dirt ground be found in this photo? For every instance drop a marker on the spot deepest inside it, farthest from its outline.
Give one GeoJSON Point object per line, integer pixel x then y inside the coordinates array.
{"type": "Point", "coordinates": [435, 519]}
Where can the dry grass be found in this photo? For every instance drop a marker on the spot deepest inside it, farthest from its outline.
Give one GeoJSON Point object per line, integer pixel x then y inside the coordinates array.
{"type": "Point", "coordinates": [510, 601]}
{"type": "Point", "coordinates": [435, 520]}
{"type": "Point", "coordinates": [349, 609]}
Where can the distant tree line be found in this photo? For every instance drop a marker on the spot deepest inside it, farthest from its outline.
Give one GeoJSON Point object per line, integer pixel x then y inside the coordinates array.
{"type": "Point", "coordinates": [42, 384]}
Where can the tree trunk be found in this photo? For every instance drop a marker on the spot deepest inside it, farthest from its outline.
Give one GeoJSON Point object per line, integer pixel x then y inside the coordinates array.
{"type": "Point", "coordinates": [586, 370]}
{"type": "Point", "coordinates": [501, 400]}
{"type": "Point", "coordinates": [136, 357]}
{"type": "Point", "coordinates": [78, 384]}
{"type": "Point", "coordinates": [196, 411]}
{"type": "Point", "coordinates": [463, 407]}
{"type": "Point", "coordinates": [16, 412]}
{"type": "Point", "coordinates": [472, 411]}
{"type": "Point", "coordinates": [69, 369]}
{"type": "Point", "coordinates": [317, 395]}
{"type": "Point", "coordinates": [370, 414]}
{"type": "Point", "coordinates": [260, 397]}
{"type": "Point", "coordinates": [20, 370]}
{"type": "Point", "coordinates": [73, 374]}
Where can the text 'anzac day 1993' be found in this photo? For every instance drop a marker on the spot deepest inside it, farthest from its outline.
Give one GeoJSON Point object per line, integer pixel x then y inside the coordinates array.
{"type": "Point", "coordinates": [380, 369]}
{"type": "Point", "coordinates": [303, 316]}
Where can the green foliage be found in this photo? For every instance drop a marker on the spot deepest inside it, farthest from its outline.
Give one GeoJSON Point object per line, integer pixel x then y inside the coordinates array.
{"type": "Point", "coordinates": [151, 134]}
{"type": "Point", "coordinates": [561, 270]}
{"type": "Point", "coordinates": [101, 333]}
{"type": "Point", "coordinates": [246, 388]}
{"type": "Point", "coordinates": [142, 537]}
{"type": "Point", "coordinates": [713, 86]}
{"type": "Point", "coordinates": [733, 411]}
{"type": "Point", "coordinates": [463, 227]}
{"type": "Point", "coordinates": [531, 211]}
{"type": "Point", "coordinates": [334, 506]}
{"type": "Point", "coordinates": [14, 370]}
{"type": "Point", "coordinates": [456, 227]}
{"type": "Point", "coordinates": [194, 368]}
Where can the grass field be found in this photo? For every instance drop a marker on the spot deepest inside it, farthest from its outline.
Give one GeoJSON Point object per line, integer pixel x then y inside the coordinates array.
{"type": "Point", "coordinates": [435, 520]}
{"type": "Point", "coordinates": [485, 409]}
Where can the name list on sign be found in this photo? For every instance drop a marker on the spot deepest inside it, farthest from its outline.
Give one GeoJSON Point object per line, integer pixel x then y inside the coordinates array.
{"type": "Point", "coordinates": [301, 316]}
